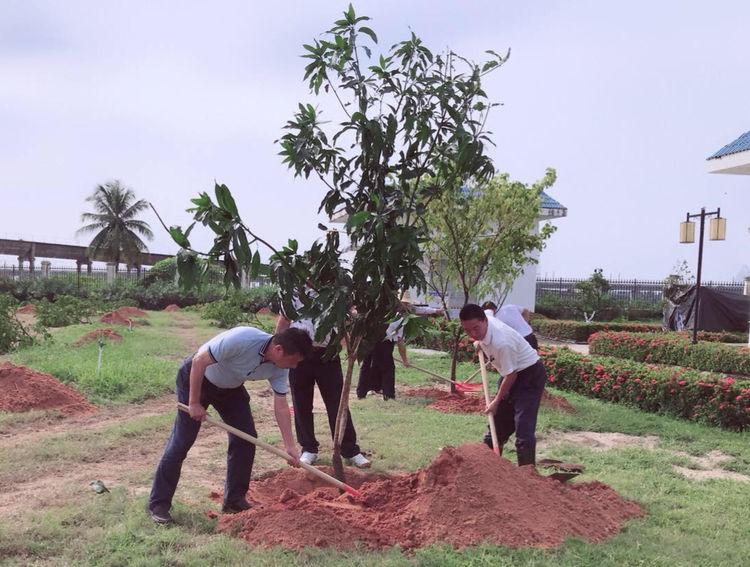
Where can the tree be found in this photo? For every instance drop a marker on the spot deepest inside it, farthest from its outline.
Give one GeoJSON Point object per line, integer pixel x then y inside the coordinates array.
{"type": "Point", "coordinates": [481, 239]}
{"type": "Point", "coordinates": [407, 117]}
{"type": "Point", "coordinates": [593, 294]}
{"type": "Point", "coordinates": [116, 224]}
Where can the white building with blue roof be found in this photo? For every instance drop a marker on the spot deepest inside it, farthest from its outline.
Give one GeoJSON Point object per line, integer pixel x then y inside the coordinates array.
{"type": "Point", "coordinates": [733, 158]}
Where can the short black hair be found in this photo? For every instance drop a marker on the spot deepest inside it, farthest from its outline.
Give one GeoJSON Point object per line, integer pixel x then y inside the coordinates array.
{"type": "Point", "coordinates": [489, 305]}
{"type": "Point", "coordinates": [472, 311]}
{"type": "Point", "coordinates": [294, 341]}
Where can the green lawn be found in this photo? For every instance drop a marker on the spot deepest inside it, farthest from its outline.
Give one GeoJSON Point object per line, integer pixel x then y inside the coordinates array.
{"type": "Point", "coordinates": [686, 522]}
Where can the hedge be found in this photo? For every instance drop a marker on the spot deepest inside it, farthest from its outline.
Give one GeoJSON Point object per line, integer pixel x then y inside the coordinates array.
{"type": "Point", "coordinates": [672, 348]}
{"type": "Point", "coordinates": [689, 394]}
{"type": "Point", "coordinates": [580, 331]}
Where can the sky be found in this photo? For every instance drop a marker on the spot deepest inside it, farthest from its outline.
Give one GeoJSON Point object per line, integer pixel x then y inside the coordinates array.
{"type": "Point", "coordinates": [625, 100]}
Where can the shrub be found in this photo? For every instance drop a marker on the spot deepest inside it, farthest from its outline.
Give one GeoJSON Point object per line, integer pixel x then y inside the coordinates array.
{"type": "Point", "coordinates": [440, 334]}
{"type": "Point", "coordinates": [67, 310]}
{"type": "Point", "coordinates": [718, 336]}
{"type": "Point", "coordinates": [166, 271]}
{"type": "Point", "coordinates": [672, 348]}
{"type": "Point", "coordinates": [240, 306]}
{"type": "Point", "coordinates": [580, 331]}
{"type": "Point", "coordinates": [709, 398]}
{"type": "Point", "coordinates": [12, 333]}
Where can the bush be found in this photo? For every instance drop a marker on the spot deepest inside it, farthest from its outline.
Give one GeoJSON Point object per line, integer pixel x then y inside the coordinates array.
{"type": "Point", "coordinates": [580, 331]}
{"type": "Point", "coordinates": [12, 333]}
{"type": "Point", "coordinates": [718, 336]}
{"type": "Point", "coordinates": [166, 271]}
{"type": "Point", "coordinates": [67, 310]}
{"type": "Point", "coordinates": [240, 306]}
{"type": "Point", "coordinates": [713, 399]}
{"type": "Point", "coordinates": [672, 348]}
{"type": "Point", "coordinates": [440, 334]}
{"type": "Point", "coordinates": [27, 289]}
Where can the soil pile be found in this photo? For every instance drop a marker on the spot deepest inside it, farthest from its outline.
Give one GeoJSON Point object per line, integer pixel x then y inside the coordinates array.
{"type": "Point", "coordinates": [23, 389]}
{"type": "Point", "coordinates": [467, 496]}
{"type": "Point", "coordinates": [123, 316]}
{"type": "Point", "coordinates": [172, 307]}
{"type": "Point", "coordinates": [106, 334]}
{"type": "Point", "coordinates": [29, 309]}
{"type": "Point", "coordinates": [460, 403]}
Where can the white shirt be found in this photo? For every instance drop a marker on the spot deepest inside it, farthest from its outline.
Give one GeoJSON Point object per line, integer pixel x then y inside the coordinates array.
{"type": "Point", "coordinates": [395, 331]}
{"type": "Point", "coordinates": [508, 350]}
{"type": "Point", "coordinates": [512, 315]}
{"type": "Point", "coordinates": [308, 325]}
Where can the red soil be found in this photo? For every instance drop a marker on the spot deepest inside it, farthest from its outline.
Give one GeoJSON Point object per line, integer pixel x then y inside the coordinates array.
{"type": "Point", "coordinates": [123, 316]}
{"type": "Point", "coordinates": [27, 310]}
{"type": "Point", "coordinates": [172, 307]}
{"type": "Point", "coordinates": [264, 311]}
{"type": "Point", "coordinates": [467, 496]}
{"type": "Point", "coordinates": [106, 334]}
{"type": "Point", "coordinates": [460, 403]}
{"type": "Point", "coordinates": [23, 389]}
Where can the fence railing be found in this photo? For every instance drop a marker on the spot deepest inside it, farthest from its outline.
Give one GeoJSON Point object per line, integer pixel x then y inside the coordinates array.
{"type": "Point", "coordinates": [643, 291]}
{"type": "Point", "coordinates": [100, 277]}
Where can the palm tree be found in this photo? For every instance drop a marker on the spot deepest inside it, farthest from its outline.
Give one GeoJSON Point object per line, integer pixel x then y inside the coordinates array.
{"type": "Point", "coordinates": [116, 225]}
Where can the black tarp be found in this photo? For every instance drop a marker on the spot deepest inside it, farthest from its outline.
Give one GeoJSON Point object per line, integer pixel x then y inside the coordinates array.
{"type": "Point", "coordinates": [719, 311]}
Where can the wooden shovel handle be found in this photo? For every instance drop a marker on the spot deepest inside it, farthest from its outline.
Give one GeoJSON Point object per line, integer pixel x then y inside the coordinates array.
{"type": "Point", "coordinates": [276, 451]}
{"type": "Point", "coordinates": [490, 417]}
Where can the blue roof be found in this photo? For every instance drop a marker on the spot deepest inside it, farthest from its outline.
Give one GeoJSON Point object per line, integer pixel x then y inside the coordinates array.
{"type": "Point", "coordinates": [550, 203]}
{"type": "Point", "coordinates": [741, 144]}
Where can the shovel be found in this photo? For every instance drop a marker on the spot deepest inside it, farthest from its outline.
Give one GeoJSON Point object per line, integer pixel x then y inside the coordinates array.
{"type": "Point", "coordinates": [278, 452]}
{"type": "Point", "coordinates": [490, 417]}
{"type": "Point", "coordinates": [460, 386]}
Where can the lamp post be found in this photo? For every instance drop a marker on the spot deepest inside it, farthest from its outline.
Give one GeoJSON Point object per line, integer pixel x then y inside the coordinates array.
{"type": "Point", "coordinates": [717, 231]}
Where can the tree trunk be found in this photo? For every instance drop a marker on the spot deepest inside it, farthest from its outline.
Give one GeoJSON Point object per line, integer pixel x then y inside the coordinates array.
{"type": "Point", "coordinates": [342, 415]}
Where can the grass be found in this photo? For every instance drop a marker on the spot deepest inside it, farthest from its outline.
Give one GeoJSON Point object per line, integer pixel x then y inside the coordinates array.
{"type": "Point", "coordinates": [686, 522]}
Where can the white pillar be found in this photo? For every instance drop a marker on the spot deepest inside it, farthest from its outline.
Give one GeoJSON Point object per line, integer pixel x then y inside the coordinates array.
{"type": "Point", "coordinates": [111, 272]}
{"type": "Point", "coordinates": [45, 268]}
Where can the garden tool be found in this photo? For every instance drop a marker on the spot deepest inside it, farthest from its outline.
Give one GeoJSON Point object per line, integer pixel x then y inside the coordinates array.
{"type": "Point", "coordinates": [460, 386]}
{"type": "Point", "coordinates": [278, 452]}
{"type": "Point", "coordinates": [486, 388]}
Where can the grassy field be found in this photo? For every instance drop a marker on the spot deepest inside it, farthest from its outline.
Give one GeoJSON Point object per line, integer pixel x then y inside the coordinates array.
{"type": "Point", "coordinates": [687, 522]}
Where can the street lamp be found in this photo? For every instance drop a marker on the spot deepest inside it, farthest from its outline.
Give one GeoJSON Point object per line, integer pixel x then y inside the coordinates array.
{"type": "Point", "coordinates": [717, 230]}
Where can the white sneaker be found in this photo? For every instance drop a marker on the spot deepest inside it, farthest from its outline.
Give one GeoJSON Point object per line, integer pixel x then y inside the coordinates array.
{"type": "Point", "coordinates": [308, 458]}
{"type": "Point", "coordinates": [359, 461]}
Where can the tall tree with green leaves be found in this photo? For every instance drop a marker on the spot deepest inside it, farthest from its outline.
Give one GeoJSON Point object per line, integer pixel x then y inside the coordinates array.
{"type": "Point", "coordinates": [118, 230]}
{"type": "Point", "coordinates": [405, 117]}
{"type": "Point", "coordinates": [482, 237]}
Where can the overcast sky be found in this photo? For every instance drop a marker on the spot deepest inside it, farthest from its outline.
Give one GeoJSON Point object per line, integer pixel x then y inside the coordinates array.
{"type": "Point", "coordinates": [625, 100]}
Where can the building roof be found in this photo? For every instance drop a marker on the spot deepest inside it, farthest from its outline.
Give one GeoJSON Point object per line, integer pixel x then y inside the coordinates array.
{"type": "Point", "coordinates": [741, 144]}
{"type": "Point", "coordinates": [550, 203]}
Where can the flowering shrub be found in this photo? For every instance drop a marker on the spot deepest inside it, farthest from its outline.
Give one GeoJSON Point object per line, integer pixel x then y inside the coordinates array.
{"type": "Point", "coordinates": [689, 394]}
{"type": "Point", "coordinates": [718, 336]}
{"type": "Point", "coordinates": [672, 348]}
{"type": "Point", "coordinates": [580, 331]}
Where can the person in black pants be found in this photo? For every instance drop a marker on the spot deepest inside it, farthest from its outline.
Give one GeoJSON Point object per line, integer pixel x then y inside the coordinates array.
{"type": "Point", "coordinates": [378, 371]}
{"type": "Point", "coordinates": [516, 404]}
{"type": "Point", "coordinates": [327, 374]}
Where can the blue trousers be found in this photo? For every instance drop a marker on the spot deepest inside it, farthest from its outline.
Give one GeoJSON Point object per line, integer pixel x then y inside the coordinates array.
{"type": "Point", "coordinates": [518, 412]}
{"type": "Point", "coordinates": [233, 405]}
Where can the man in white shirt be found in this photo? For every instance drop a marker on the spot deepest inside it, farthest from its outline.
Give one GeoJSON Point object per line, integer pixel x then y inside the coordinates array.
{"type": "Point", "coordinates": [516, 317]}
{"type": "Point", "coordinates": [516, 404]}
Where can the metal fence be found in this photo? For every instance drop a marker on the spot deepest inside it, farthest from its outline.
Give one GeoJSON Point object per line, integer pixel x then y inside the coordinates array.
{"type": "Point", "coordinates": [641, 291]}
{"type": "Point", "coordinates": [98, 277]}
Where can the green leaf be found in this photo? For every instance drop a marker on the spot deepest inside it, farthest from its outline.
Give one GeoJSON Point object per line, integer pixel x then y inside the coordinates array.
{"type": "Point", "coordinates": [321, 226]}
{"type": "Point", "coordinates": [179, 237]}
{"type": "Point", "coordinates": [368, 31]}
{"type": "Point", "coordinates": [225, 200]}
{"type": "Point", "coordinates": [255, 267]}
{"type": "Point", "coordinates": [357, 219]}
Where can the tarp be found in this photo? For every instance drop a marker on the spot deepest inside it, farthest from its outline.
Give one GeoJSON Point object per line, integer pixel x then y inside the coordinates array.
{"type": "Point", "coordinates": [719, 311]}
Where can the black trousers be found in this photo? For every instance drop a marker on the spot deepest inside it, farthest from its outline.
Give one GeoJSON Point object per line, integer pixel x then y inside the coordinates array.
{"type": "Point", "coordinates": [330, 380]}
{"type": "Point", "coordinates": [518, 413]}
{"type": "Point", "coordinates": [531, 339]}
{"type": "Point", "coordinates": [378, 372]}
{"type": "Point", "coordinates": [233, 405]}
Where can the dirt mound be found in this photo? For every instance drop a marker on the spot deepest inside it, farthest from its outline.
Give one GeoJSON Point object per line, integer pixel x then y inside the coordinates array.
{"type": "Point", "coordinates": [23, 389]}
{"type": "Point", "coordinates": [559, 403]}
{"type": "Point", "coordinates": [132, 312]}
{"type": "Point", "coordinates": [265, 311]}
{"type": "Point", "coordinates": [27, 310]}
{"type": "Point", "coordinates": [172, 307]}
{"type": "Point", "coordinates": [460, 403]}
{"type": "Point", "coordinates": [123, 316]}
{"type": "Point", "coordinates": [467, 496]}
{"type": "Point", "coordinates": [106, 334]}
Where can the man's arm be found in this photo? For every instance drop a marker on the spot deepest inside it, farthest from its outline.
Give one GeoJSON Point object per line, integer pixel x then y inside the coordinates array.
{"type": "Point", "coordinates": [502, 392]}
{"type": "Point", "coordinates": [526, 314]}
{"type": "Point", "coordinates": [201, 361]}
{"type": "Point", "coordinates": [284, 421]}
{"type": "Point", "coordinates": [282, 324]}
